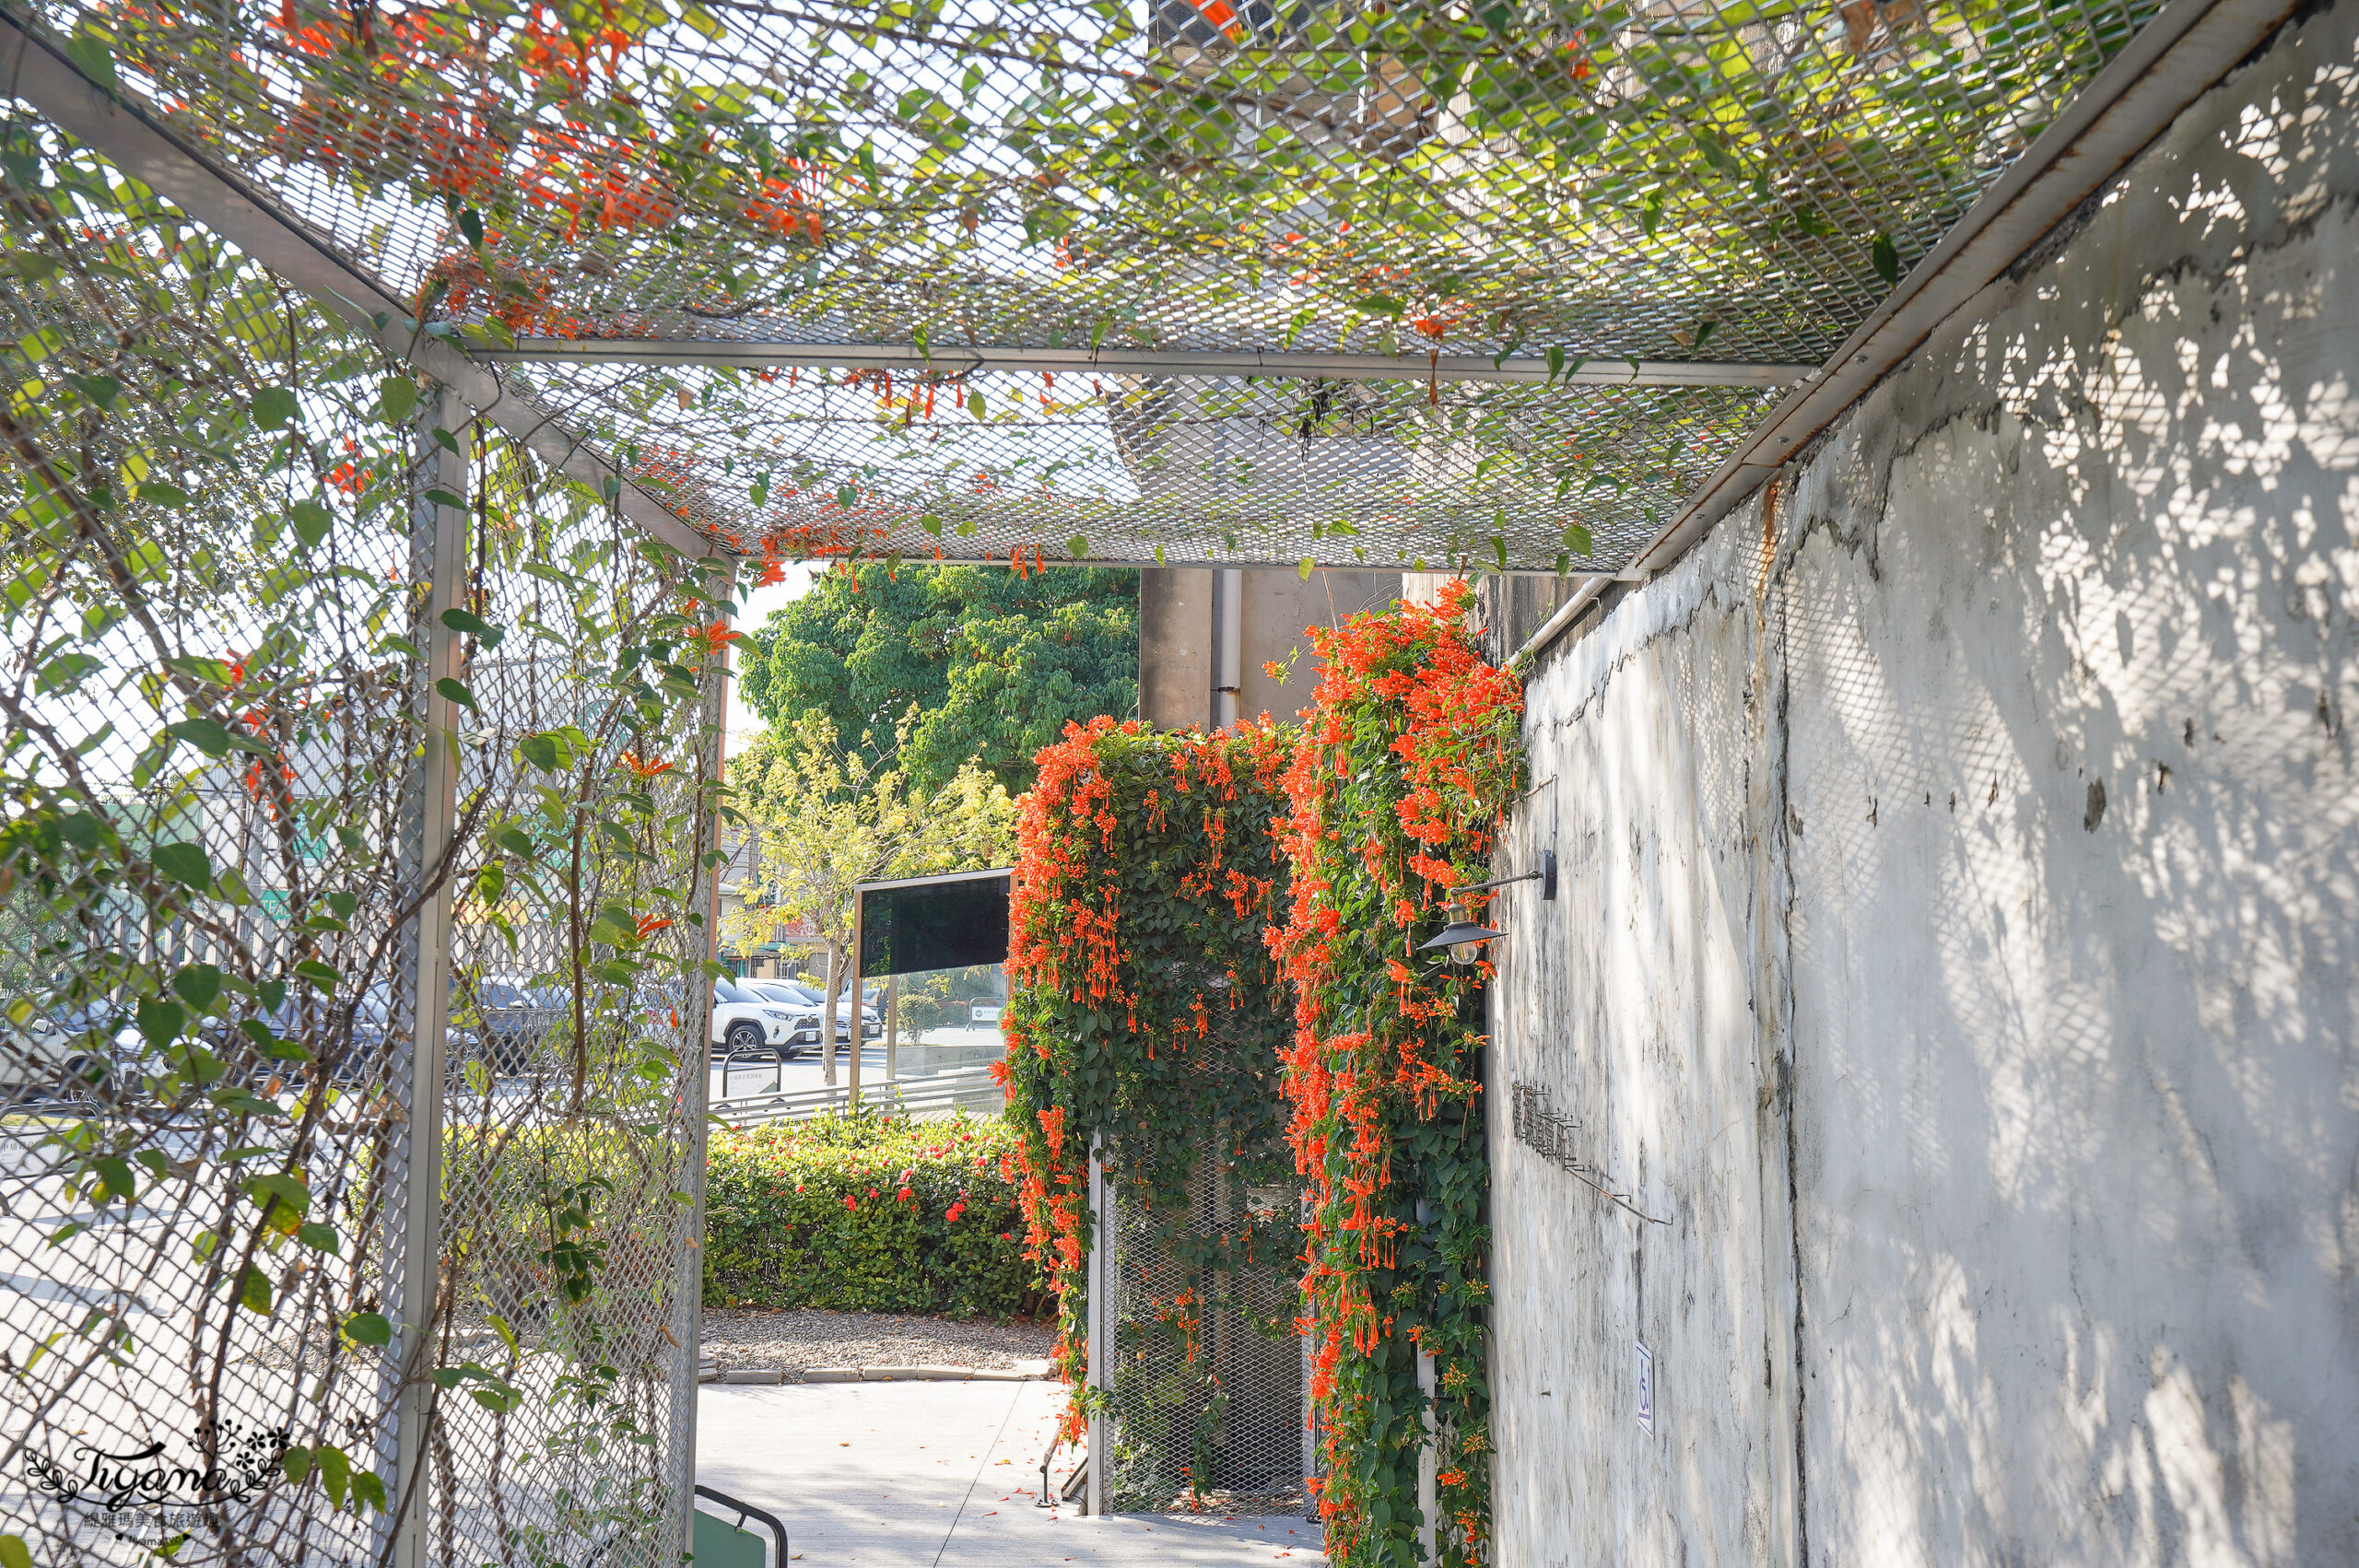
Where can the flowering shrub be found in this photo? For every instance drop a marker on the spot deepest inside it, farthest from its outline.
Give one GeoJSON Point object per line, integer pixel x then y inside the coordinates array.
{"type": "Point", "coordinates": [1145, 1006]}
{"type": "Point", "coordinates": [1411, 753]}
{"type": "Point", "coordinates": [868, 1215]}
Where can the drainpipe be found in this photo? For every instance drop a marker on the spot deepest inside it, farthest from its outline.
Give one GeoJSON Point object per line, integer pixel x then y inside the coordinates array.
{"type": "Point", "coordinates": [1229, 644]}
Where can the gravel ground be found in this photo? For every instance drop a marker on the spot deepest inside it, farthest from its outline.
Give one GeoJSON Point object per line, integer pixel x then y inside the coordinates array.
{"type": "Point", "coordinates": [734, 1340]}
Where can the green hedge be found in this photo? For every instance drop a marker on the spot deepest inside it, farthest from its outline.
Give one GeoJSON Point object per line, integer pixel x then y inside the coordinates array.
{"type": "Point", "coordinates": [865, 1215]}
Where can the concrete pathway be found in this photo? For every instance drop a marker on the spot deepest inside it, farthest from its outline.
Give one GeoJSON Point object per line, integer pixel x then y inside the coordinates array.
{"type": "Point", "coordinates": [943, 1475]}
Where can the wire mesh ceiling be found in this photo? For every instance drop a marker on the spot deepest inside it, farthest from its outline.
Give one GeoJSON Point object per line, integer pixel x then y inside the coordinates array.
{"type": "Point", "coordinates": [1182, 279]}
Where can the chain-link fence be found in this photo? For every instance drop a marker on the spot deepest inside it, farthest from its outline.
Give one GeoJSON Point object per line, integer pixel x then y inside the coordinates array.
{"type": "Point", "coordinates": [1202, 1370]}
{"type": "Point", "coordinates": [353, 889]}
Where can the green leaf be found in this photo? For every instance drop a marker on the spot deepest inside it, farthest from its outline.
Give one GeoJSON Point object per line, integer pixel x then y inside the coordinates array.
{"type": "Point", "coordinates": [548, 752]}
{"type": "Point", "coordinates": [274, 407]}
{"type": "Point", "coordinates": [154, 492]}
{"type": "Point", "coordinates": [1576, 540]}
{"type": "Point", "coordinates": [184, 863]}
{"type": "Point", "coordinates": [101, 390]}
{"type": "Point", "coordinates": [369, 1328]}
{"type": "Point", "coordinates": [160, 1022]}
{"type": "Point", "coordinates": [335, 1473]}
{"type": "Point", "coordinates": [205, 734]}
{"type": "Point", "coordinates": [1886, 257]}
{"type": "Point", "coordinates": [932, 524]}
{"type": "Point", "coordinates": [441, 497]}
{"type": "Point", "coordinates": [237, 1102]}
{"type": "Point", "coordinates": [483, 631]}
{"type": "Point", "coordinates": [471, 225]}
{"type": "Point", "coordinates": [847, 495]}
{"type": "Point", "coordinates": [15, 1553]}
{"type": "Point", "coordinates": [975, 403]}
{"type": "Point", "coordinates": [116, 1182]}
{"type": "Point", "coordinates": [319, 1237]}
{"type": "Point", "coordinates": [319, 975]}
{"type": "Point", "coordinates": [868, 164]}
{"type": "Point", "coordinates": [93, 59]}
{"type": "Point", "coordinates": [1077, 547]}
{"type": "Point", "coordinates": [31, 266]}
{"type": "Point", "coordinates": [310, 521]}
{"type": "Point", "coordinates": [1305, 568]}
{"type": "Point", "coordinates": [397, 399]}
{"type": "Point", "coordinates": [297, 1463]}
{"type": "Point", "coordinates": [456, 693]}
{"type": "Point", "coordinates": [253, 1291]}
{"type": "Point", "coordinates": [283, 1198]}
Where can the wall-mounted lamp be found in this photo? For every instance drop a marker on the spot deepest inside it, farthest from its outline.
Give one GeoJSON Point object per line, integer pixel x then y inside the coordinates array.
{"type": "Point", "coordinates": [1545, 876]}
{"type": "Point", "coordinates": [1463, 938]}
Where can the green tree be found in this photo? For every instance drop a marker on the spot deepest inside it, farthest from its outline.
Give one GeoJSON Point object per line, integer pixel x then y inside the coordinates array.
{"type": "Point", "coordinates": [996, 664]}
{"type": "Point", "coordinates": [825, 819]}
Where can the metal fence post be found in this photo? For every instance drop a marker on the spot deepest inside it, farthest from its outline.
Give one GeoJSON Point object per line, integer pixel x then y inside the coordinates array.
{"type": "Point", "coordinates": [413, 1188]}
{"type": "Point", "coordinates": [1428, 1533]}
{"type": "Point", "coordinates": [1101, 1283]}
{"type": "Point", "coordinates": [1309, 1417]}
{"type": "Point", "coordinates": [695, 1078]}
{"type": "Point", "coordinates": [859, 1022]}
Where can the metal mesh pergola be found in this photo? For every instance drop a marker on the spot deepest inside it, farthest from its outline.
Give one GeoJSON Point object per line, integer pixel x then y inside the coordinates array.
{"type": "Point", "coordinates": [1183, 281]}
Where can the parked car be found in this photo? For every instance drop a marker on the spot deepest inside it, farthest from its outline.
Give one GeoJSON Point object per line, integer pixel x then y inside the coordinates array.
{"type": "Point", "coordinates": [807, 1017]}
{"type": "Point", "coordinates": [512, 1017]}
{"type": "Point", "coordinates": [872, 1022]}
{"type": "Point", "coordinates": [361, 1056]}
{"type": "Point", "coordinates": [62, 1057]}
{"type": "Point", "coordinates": [745, 1020]}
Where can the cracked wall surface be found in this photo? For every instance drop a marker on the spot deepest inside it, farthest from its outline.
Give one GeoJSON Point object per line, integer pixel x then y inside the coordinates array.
{"type": "Point", "coordinates": [1959, 936]}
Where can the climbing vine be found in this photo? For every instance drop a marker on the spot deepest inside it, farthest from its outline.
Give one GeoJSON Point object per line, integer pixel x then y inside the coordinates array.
{"type": "Point", "coordinates": [1146, 1008]}
{"type": "Point", "coordinates": [1410, 756]}
{"type": "Point", "coordinates": [222, 677]}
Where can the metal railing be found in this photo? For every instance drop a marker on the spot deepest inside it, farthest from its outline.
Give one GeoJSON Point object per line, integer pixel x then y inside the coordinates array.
{"type": "Point", "coordinates": [935, 1095]}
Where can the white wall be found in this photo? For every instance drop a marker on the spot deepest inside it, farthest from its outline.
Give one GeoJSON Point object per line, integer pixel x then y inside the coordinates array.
{"type": "Point", "coordinates": [2010, 1145]}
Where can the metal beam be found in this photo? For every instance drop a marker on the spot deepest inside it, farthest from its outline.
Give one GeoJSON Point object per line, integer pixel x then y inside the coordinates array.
{"type": "Point", "coordinates": [145, 148]}
{"type": "Point", "coordinates": [2175, 59]}
{"type": "Point", "coordinates": [764, 355]}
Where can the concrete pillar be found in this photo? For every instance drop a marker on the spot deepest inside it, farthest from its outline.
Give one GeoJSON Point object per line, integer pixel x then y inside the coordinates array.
{"type": "Point", "coordinates": [1174, 646]}
{"type": "Point", "coordinates": [1193, 643]}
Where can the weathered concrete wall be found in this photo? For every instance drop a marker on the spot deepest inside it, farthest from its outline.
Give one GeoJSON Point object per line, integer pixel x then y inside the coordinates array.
{"type": "Point", "coordinates": [1959, 942]}
{"type": "Point", "coordinates": [1629, 1001]}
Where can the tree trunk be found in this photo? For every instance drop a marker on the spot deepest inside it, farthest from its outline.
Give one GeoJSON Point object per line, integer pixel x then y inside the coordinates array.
{"type": "Point", "coordinates": [828, 1014]}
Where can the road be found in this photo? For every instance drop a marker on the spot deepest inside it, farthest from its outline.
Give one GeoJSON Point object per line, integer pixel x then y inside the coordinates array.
{"type": "Point", "coordinates": [804, 1071]}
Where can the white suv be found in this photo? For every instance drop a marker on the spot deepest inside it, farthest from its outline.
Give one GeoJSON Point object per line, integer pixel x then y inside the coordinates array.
{"type": "Point", "coordinates": [40, 1059]}
{"type": "Point", "coordinates": [871, 1023]}
{"type": "Point", "coordinates": [744, 1020]}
